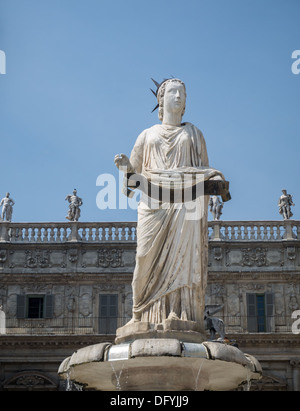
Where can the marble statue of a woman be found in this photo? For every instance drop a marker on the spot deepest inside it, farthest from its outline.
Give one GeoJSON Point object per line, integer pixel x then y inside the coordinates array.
{"type": "Point", "coordinates": [170, 275]}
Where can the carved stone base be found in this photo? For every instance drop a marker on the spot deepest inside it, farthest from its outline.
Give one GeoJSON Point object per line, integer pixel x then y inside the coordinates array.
{"type": "Point", "coordinates": [163, 364]}
{"type": "Point", "coordinates": [189, 331]}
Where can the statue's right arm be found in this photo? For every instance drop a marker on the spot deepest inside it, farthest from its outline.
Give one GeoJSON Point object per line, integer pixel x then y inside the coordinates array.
{"type": "Point", "coordinates": [137, 153]}
{"type": "Point", "coordinates": [134, 164]}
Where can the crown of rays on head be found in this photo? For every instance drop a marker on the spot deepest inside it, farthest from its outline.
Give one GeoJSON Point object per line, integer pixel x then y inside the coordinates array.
{"type": "Point", "coordinates": [158, 86]}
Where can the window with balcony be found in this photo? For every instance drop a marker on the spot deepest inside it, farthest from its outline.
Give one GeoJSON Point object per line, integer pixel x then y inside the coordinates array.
{"type": "Point", "coordinates": [108, 313]}
{"type": "Point", "coordinates": [260, 312]}
{"type": "Point", "coordinates": [35, 306]}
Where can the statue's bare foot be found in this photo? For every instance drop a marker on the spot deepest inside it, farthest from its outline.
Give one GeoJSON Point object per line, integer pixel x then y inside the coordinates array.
{"type": "Point", "coordinates": [133, 320]}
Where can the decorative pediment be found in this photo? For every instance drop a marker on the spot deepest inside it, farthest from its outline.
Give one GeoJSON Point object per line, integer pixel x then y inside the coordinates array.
{"type": "Point", "coordinates": [269, 383]}
{"type": "Point", "coordinates": [30, 381]}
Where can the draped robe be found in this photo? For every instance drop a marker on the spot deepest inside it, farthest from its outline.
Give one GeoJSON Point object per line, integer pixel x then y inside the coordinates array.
{"type": "Point", "coordinates": [170, 274]}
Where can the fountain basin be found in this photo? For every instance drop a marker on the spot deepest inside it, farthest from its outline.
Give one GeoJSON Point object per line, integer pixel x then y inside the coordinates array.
{"type": "Point", "coordinates": [163, 364]}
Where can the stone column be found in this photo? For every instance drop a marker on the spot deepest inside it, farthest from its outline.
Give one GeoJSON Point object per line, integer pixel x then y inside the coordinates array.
{"type": "Point", "coordinates": [74, 232]}
{"type": "Point", "coordinates": [289, 231]}
{"type": "Point", "coordinates": [3, 232]}
{"type": "Point", "coordinates": [296, 374]}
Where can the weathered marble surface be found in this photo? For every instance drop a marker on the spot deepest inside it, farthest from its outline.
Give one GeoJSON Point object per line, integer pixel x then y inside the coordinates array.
{"type": "Point", "coordinates": [170, 274]}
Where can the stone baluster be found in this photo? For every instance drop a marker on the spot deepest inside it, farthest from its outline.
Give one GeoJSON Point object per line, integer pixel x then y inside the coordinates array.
{"type": "Point", "coordinates": [117, 232]}
{"type": "Point", "coordinates": [100, 233]}
{"type": "Point", "coordinates": [267, 230]}
{"type": "Point", "coordinates": [226, 233]}
{"type": "Point", "coordinates": [127, 233]}
{"type": "Point", "coordinates": [90, 237]}
{"type": "Point", "coordinates": [91, 234]}
{"type": "Point", "coordinates": [56, 234]}
{"type": "Point", "coordinates": [104, 234]}
{"type": "Point", "coordinates": [111, 233]}
{"type": "Point", "coordinates": [239, 232]}
{"type": "Point", "coordinates": [233, 232]}
{"type": "Point", "coordinates": [97, 234]}
{"type": "Point", "coordinates": [276, 232]}
{"type": "Point", "coordinates": [84, 234]}
{"type": "Point", "coordinates": [39, 235]}
{"type": "Point", "coordinates": [246, 231]}
{"type": "Point", "coordinates": [260, 232]}
{"type": "Point", "coordinates": [52, 235]}
{"type": "Point", "coordinates": [132, 233]}
{"type": "Point", "coordinates": [272, 233]}
{"type": "Point", "coordinates": [124, 234]}
{"type": "Point", "coordinates": [108, 234]}
{"type": "Point", "coordinates": [62, 234]}
{"type": "Point", "coordinates": [32, 234]}
{"type": "Point", "coordinates": [114, 236]}
{"type": "Point", "coordinates": [45, 236]}
{"type": "Point", "coordinates": [251, 231]}
{"type": "Point", "coordinates": [25, 235]}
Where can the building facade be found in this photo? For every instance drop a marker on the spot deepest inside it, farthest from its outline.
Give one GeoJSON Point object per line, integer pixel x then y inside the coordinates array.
{"type": "Point", "coordinates": [64, 286]}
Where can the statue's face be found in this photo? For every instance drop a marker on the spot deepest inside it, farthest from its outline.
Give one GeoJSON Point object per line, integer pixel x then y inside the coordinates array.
{"type": "Point", "coordinates": [174, 98]}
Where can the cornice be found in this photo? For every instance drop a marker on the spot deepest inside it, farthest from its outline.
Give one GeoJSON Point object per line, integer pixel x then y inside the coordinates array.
{"type": "Point", "coordinates": [270, 339]}
{"type": "Point", "coordinates": [244, 276]}
{"type": "Point", "coordinates": [43, 341]}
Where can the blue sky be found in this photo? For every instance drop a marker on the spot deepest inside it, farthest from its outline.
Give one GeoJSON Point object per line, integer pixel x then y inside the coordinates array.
{"type": "Point", "coordinates": [76, 92]}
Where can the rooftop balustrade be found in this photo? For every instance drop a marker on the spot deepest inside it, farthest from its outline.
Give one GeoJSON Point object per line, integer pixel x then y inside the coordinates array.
{"type": "Point", "coordinates": [102, 232]}
{"type": "Point", "coordinates": [67, 232]}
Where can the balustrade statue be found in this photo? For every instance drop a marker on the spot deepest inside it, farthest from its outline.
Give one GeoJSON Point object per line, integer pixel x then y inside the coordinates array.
{"type": "Point", "coordinates": [216, 206]}
{"type": "Point", "coordinates": [74, 206]}
{"type": "Point", "coordinates": [284, 203]}
{"type": "Point", "coordinates": [7, 204]}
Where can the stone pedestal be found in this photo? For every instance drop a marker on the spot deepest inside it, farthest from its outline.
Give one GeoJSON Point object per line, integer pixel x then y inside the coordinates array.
{"type": "Point", "coordinates": [189, 331]}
